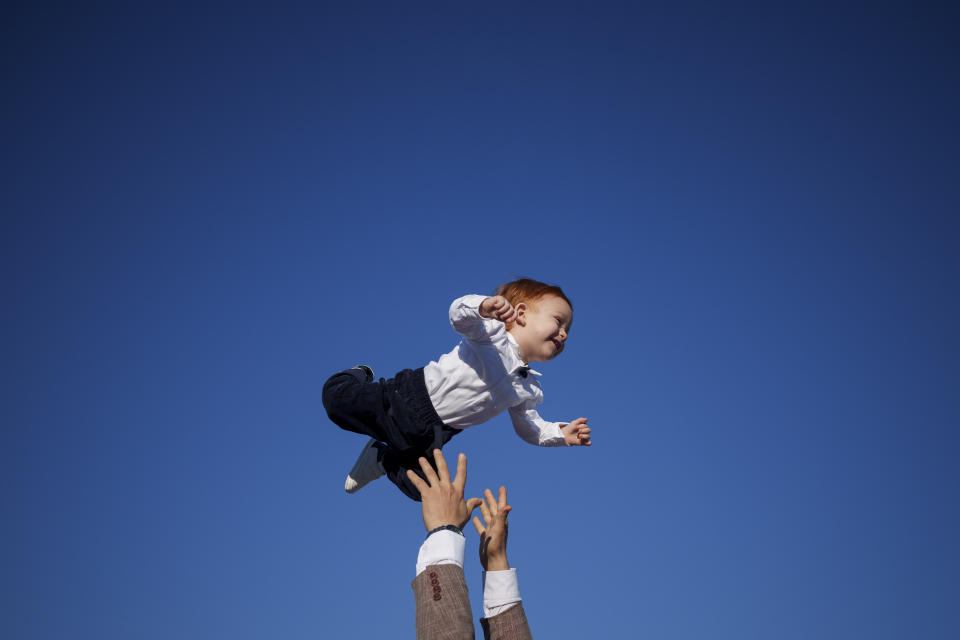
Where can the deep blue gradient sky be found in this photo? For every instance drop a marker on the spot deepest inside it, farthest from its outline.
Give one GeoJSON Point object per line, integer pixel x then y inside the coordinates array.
{"type": "Point", "coordinates": [209, 209]}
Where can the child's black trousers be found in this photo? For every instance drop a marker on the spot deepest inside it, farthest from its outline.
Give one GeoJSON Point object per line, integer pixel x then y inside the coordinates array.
{"type": "Point", "coordinates": [397, 412]}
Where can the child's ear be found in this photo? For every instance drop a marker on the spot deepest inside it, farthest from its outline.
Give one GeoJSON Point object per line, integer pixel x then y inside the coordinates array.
{"type": "Point", "coordinates": [521, 310]}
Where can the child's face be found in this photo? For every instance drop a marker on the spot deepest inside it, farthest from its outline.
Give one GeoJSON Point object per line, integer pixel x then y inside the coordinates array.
{"type": "Point", "coordinates": [541, 328]}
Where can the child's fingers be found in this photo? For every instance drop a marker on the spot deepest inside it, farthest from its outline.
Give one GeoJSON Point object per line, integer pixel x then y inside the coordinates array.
{"type": "Point", "coordinates": [502, 503]}
{"type": "Point", "coordinates": [479, 527]}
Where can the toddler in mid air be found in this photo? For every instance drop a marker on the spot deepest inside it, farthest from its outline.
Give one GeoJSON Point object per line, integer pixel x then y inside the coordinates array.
{"type": "Point", "coordinates": [419, 410]}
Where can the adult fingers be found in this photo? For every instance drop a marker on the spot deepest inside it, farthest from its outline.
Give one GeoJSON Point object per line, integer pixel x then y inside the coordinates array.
{"type": "Point", "coordinates": [492, 503]}
{"type": "Point", "coordinates": [485, 511]}
{"type": "Point", "coordinates": [429, 472]}
{"type": "Point", "coordinates": [442, 470]}
{"type": "Point", "coordinates": [417, 481]}
{"type": "Point", "coordinates": [472, 504]}
{"type": "Point", "coordinates": [461, 478]}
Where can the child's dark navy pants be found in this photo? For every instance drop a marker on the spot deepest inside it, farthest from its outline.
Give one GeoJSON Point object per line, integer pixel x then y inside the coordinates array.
{"type": "Point", "coordinates": [397, 412]}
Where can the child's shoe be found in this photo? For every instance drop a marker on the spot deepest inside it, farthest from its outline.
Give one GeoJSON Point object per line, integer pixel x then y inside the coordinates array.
{"type": "Point", "coordinates": [366, 469]}
{"type": "Point", "coordinates": [366, 370]}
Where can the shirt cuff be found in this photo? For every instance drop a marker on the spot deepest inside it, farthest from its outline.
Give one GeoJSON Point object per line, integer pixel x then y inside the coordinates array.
{"type": "Point", "coordinates": [500, 591]}
{"type": "Point", "coordinates": [473, 301]}
{"type": "Point", "coordinates": [443, 547]}
{"type": "Point", "coordinates": [551, 435]}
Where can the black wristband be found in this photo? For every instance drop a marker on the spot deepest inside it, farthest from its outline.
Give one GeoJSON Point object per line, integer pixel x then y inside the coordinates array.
{"type": "Point", "coordinates": [446, 527]}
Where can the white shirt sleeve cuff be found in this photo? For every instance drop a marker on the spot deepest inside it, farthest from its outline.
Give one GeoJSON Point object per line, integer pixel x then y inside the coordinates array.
{"type": "Point", "coordinates": [443, 547]}
{"type": "Point", "coordinates": [552, 435]}
{"type": "Point", "coordinates": [500, 591]}
{"type": "Point", "coordinates": [473, 301]}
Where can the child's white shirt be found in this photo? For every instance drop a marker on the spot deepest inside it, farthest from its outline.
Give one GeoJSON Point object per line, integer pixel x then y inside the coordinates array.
{"type": "Point", "coordinates": [482, 377]}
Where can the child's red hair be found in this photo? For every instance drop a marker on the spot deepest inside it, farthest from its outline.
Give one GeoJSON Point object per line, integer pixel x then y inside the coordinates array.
{"type": "Point", "coordinates": [529, 291]}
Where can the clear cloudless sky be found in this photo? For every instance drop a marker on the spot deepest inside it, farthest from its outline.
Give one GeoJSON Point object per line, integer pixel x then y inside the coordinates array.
{"type": "Point", "coordinates": [207, 209]}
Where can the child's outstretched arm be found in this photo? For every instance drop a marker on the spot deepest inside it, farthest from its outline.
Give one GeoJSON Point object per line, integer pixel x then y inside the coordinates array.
{"type": "Point", "coordinates": [531, 427]}
{"type": "Point", "coordinates": [498, 308]}
{"type": "Point", "coordinates": [476, 317]}
{"type": "Point", "coordinates": [576, 432]}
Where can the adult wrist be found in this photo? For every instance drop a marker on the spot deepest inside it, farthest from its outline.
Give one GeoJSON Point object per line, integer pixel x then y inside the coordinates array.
{"type": "Point", "coordinates": [500, 591]}
{"type": "Point", "coordinates": [443, 547]}
{"type": "Point", "coordinates": [445, 527]}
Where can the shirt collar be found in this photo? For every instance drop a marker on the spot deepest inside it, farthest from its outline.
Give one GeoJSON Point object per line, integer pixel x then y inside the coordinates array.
{"type": "Point", "coordinates": [522, 371]}
{"type": "Point", "coordinates": [522, 368]}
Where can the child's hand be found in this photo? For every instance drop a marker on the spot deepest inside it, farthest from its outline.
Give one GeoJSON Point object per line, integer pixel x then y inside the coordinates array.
{"type": "Point", "coordinates": [577, 432]}
{"type": "Point", "coordinates": [498, 308]}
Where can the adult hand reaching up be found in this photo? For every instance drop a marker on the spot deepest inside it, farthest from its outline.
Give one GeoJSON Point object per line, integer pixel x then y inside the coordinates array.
{"type": "Point", "coordinates": [493, 536]}
{"type": "Point", "coordinates": [442, 500]}
{"type": "Point", "coordinates": [442, 602]}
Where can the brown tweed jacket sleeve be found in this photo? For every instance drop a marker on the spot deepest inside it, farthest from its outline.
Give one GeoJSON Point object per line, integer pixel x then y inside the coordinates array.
{"type": "Point", "coordinates": [443, 605]}
{"type": "Point", "coordinates": [509, 625]}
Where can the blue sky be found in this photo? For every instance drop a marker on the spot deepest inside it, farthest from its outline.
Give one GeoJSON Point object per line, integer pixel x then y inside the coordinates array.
{"type": "Point", "coordinates": [209, 209]}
